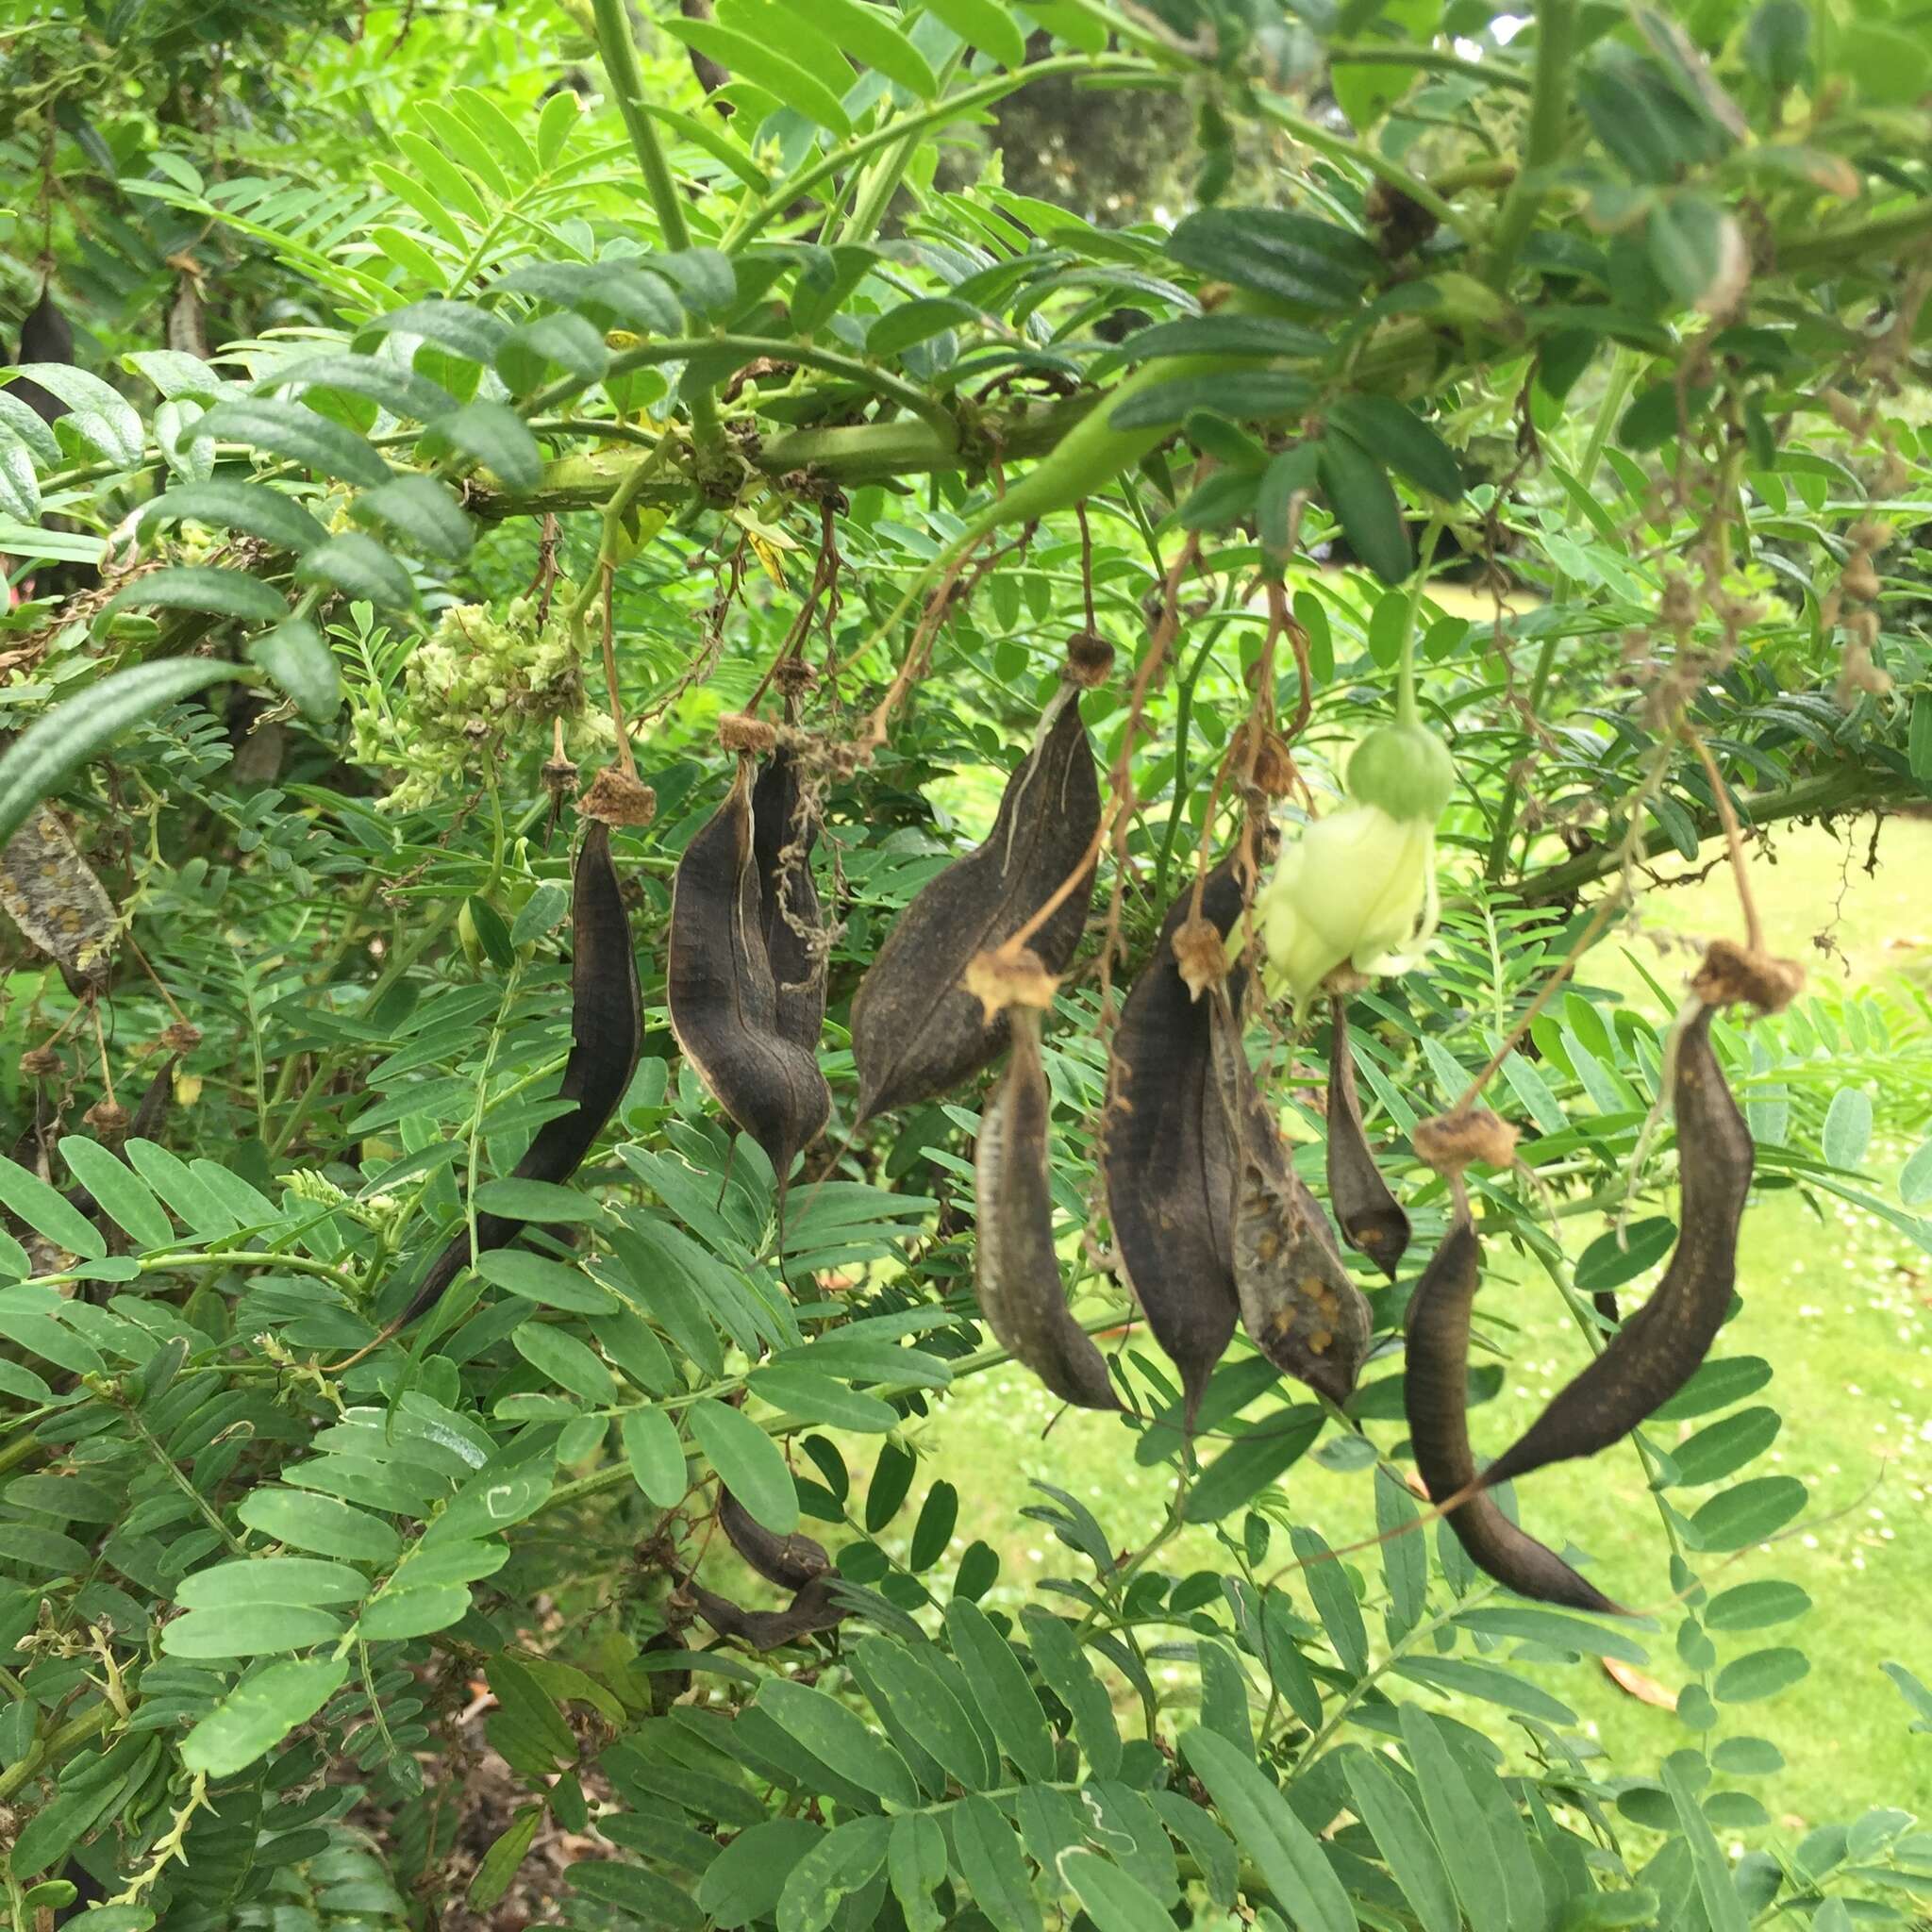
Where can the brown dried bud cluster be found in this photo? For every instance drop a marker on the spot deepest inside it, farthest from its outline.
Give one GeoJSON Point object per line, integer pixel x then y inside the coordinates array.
{"type": "Point", "coordinates": [1089, 660]}
{"type": "Point", "coordinates": [1275, 772]}
{"type": "Point", "coordinates": [108, 1119]}
{"type": "Point", "coordinates": [1733, 976]}
{"type": "Point", "coordinates": [1009, 977]}
{"type": "Point", "coordinates": [1451, 1142]}
{"type": "Point", "coordinates": [1201, 953]}
{"type": "Point", "coordinates": [182, 1037]}
{"type": "Point", "coordinates": [40, 1063]}
{"type": "Point", "coordinates": [619, 798]}
{"type": "Point", "coordinates": [793, 677]}
{"type": "Point", "coordinates": [738, 732]}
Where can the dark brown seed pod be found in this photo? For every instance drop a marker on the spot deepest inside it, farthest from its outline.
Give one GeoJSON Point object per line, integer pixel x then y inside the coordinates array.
{"type": "Point", "coordinates": [790, 1561]}
{"type": "Point", "coordinates": [45, 336]}
{"type": "Point", "coordinates": [1664, 1343]}
{"type": "Point", "coordinates": [1297, 1303]}
{"type": "Point", "coordinates": [606, 1030]}
{"type": "Point", "coordinates": [1372, 1218]}
{"type": "Point", "coordinates": [1436, 1395]}
{"type": "Point", "coordinates": [783, 829]}
{"type": "Point", "coordinates": [812, 1609]}
{"type": "Point", "coordinates": [916, 1031]}
{"type": "Point", "coordinates": [721, 993]}
{"type": "Point", "coordinates": [1167, 1159]}
{"type": "Point", "coordinates": [1016, 1271]}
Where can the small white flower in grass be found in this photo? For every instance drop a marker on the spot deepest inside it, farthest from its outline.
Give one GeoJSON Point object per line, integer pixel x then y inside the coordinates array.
{"type": "Point", "coordinates": [1357, 887]}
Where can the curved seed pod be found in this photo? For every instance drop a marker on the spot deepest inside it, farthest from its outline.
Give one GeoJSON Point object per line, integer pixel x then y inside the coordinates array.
{"type": "Point", "coordinates": [1435, 1395]}
{"type": "Point", "coordinates": [1372, 1218]}
{"type": "Point", "coordinates": [783, 829]}
{"type": "Point", "coordinates": [722, 997]}
{"type": "Point", "coordinates": [1016, 1270]}
{"type": "Point", "coordinates": [916, 1031]}
{"type": "Point", "coordinates": [790, 1561]}
{"type": "Point", "coordinates": [811, 1610]}
{"type": "Point", "coordinates": [1167, 1159]}
{"type": "Point", "coordinates": [1659, 1348]}
{"type": "Point", "coordinates": [606, 1030]}
{"type": "Point", "coordinates": [1296, 1300]}
{"type": "Point", "coordinates": [45, 336]}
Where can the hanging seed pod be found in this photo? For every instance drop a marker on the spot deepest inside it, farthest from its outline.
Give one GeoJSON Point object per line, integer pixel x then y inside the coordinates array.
{"type": "Point", "coordinates": [1372, 1218]}
{"type": "Point", "coordinates": [1017, 1271]}
{"type": "Point", "coordinates": [1167, 1159]}
{"type": "Point", "coordinates": [812, 1609]}
{"type": "Point", "coordinates": [916, 1031]}
{"type": "Point", "coordinates": [45, 336]}
{"type": "Point", "coordinates": [783, 829]}
{"type": "Point", "coordinates": [1664, 1343]}
{"type": "Point", "coordinates": [790, 1561]}
{"type": "Point", "coordinates": [1296, 1300]}
{"type": "Point", "coordinates": [1436, 1397]}
{"type": "Point", "coordinates": [606, 1030]}
{"type": "Point", "coordinates": [723, 997]}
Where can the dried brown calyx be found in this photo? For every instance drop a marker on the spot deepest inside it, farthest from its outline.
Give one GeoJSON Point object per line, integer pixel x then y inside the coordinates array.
{"type": "Point", "coordinates": [40, 1063]}
{"type": "Point", "coordinates": [618, 797]}
{"type": "Point", "coordinates": [916, 1030]}
{"type": "Point", "coordinates": [1089, 660]}
{"type": "Point", "coordinates": [1011, 976]}
{"type": "Point", "coordinates": [182, 1037]}
{"type": "Point", "coordinates": [792, 678]}
{"type": "Point", "coordinates": [1735, 975]}
{"type": "Point", "coordinates": [738, 732]}
{"type": "Point", "coordinates": [108, 1119]}
{"type": "Point", "coordinates": [1200, 952]}
{"type": "Point", "coordinates": [1450, 1142]}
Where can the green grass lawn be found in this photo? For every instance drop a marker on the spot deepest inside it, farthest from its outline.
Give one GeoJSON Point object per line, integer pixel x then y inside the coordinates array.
{"type": "Point", "coordinates": [1836, 1299]}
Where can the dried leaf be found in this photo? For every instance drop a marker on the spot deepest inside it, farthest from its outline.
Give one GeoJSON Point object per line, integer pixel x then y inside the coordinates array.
{"type": "Point", "coordinates": [916, 1031]}
{"type": "Point", "coordinates": [1641, 1685]}
{"type": "Point", "coordinates": [51, 892]}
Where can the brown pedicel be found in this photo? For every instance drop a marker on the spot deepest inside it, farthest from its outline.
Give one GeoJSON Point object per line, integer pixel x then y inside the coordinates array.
{"type": "Point", "coordinates": [1296, 1300]}
{"type": "Point", "coordinates": [1017, 1271]}
{"type": "Point", "coordinates": [606, 1031]}
{"type": "Point", "coordinates": [724, 994]}
{"type": "Point", "coordinates": [1167, 1159]}
{"type": "Point", "coordinates": [783, 829]}
{"type": "Point", "coordinates": [1436, 1397]}
{"type": "Point", "coordinates": [1664, 1343]}
{"type": "Point", "coordinates": [1373, 1221]}
{"type": "Point", "coordinates": [916, 1031]}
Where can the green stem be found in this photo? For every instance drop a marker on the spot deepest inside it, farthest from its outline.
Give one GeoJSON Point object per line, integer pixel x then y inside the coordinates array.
{"type": "Point", "coordinates": [1492, 73]}
{"type": "Point", "coordinates": [56, 1745]}
{"type": "Point", "coordinates": [907, 395]}
{"type": "Point", "coordinates": [1405, 670]}
{"type": "Point", "coordinates": [1369, 159]}
{"type": "Point", "coordinates": [955, 106]}
{"type": "Point", "coordinates": [1622, 373]}
{"type": "Point", "coordinates": [620, 53]}
{"type": "Point", "coordinates": [1549, 110]}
